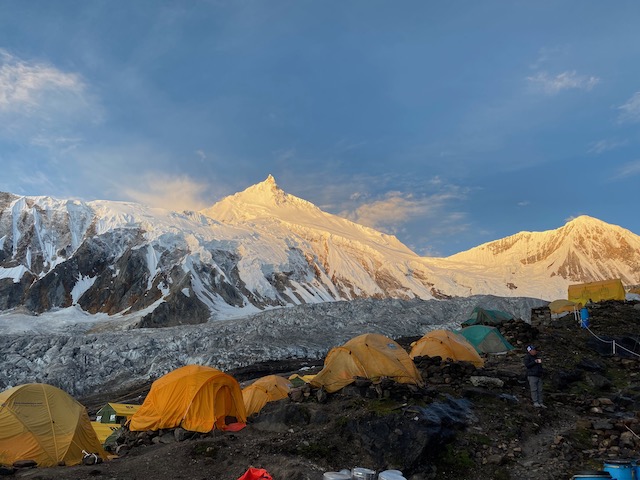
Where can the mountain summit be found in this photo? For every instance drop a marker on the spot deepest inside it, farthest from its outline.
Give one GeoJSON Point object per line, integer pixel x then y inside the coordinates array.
{"type": "Point", "coordinates": [263, 248]}
{"type": "Point", "coordinates": [263, 204]}
{"type": "Point", "coordinates": [583, 250]}
{"type": "Point", "coordinates": [260, 200]}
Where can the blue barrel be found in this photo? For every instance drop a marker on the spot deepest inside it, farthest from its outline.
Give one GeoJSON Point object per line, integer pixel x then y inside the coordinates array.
{"type": "Point", "coordinates": [636, 469]}
{"type": "Point", "coordinates": [584, 318]}
{"type": "Point", "coordinates": [619, 469]}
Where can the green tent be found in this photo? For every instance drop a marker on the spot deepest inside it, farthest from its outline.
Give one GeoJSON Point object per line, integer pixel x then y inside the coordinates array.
{"type": "Point", "coordinates": [480, 316]}
{"type": "Point", "coordinates": [486, 339]}
{"type": "Point", "coordinates": [116, 412]}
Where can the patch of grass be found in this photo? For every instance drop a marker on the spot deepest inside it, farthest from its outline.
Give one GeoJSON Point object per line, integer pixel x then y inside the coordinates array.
{"type": "Point", "coordinates": [342, 421]}
{"type": "Point", "coordinates": [480, 439]}
{"type": "Point", "coordinates": [317, 451]}
{"type": "Point", "coordinates": [455, 461]}
{"type": "Point", "coordinates": [619, 378]}
{"type": "Point", "coordinates": [512, 427]}
{"type": "Point", "coordinates": [205, 450]}
{"type": "Point", "coordinates": [580, 438]}
{"type": "Point", "coordinates": [500, 474]}
{"type": "Point", "coordinates": [581, 388]}
{"type": "Point", "coordinates": [383, 407]}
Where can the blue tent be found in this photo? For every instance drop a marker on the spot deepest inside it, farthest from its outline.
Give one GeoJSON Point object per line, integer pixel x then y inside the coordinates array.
{"type": "Point", "coordinates": [486, 339]}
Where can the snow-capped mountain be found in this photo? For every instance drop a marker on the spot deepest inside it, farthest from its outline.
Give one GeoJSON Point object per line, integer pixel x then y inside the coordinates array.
{"type": "Point", "coordinates": [263, 248]}
{"type": "Point", "coordinates": [584, 250]}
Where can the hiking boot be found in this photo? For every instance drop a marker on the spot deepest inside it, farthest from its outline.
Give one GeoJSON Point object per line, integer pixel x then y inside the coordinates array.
{"type": "Point", "coordinates": [538, 405]}
{"type": "Point", "coordinates": [542, 405]}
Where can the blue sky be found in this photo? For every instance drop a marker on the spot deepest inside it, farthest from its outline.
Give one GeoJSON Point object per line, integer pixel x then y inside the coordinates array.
{"type": "Point", "coordinates": [448, 124]}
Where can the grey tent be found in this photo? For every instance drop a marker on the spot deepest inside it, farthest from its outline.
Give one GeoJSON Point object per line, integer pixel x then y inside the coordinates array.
{"type": "Point", "coordinates": [480, 316]}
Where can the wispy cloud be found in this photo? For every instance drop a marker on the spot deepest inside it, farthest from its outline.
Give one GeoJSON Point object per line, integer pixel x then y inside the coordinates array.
{"type": "Point", "coordinates": [524, 203]}
{"type": "Point", "coordinates": [546, 54]}
{"type": "Point", "coordinates": [629, 169]}
{"type": "Point", "coordinates": [605, 145]}
{"type": "Point", "coordinates": [169, 192]}
{"type": "Point", "coordinates": [38, 102]}
{"type": "Point", "coordinates": [28, 86]}
{"type": "Point", "coordinates": [552, 85]}
{"type": "Point", "coordinates": [390, 213]}
{"type": "Point", "coordinates": [630, 111]}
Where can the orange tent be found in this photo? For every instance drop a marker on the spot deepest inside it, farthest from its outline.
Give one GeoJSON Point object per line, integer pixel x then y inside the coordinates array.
{"type": "Point", "coordinates": [195, 397]}
{"type": "Point", "coordinates": [446, 344]}
{"type": "Point", "coordinates": [264, 390]}
{"type": "Point", "coordinates": [43, 423]}
{"type": "Point", "coordinates": [370, 356]}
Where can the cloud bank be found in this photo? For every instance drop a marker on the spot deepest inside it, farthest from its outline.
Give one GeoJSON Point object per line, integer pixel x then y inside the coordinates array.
{"type": "Point", "coordinates": [168, 192]}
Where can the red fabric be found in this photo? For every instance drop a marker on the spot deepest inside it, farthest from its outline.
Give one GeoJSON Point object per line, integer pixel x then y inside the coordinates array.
{"type": "Point", "coordinates": [256, 474]}
{"type": "Point", "coordinates": [234, 427]}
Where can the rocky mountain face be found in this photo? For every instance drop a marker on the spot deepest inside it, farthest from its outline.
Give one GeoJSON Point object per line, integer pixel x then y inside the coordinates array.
{"type": "Point", "coordinates": [263, 248]}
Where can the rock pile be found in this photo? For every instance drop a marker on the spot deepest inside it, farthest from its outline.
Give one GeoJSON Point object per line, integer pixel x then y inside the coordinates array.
{"type": "Point", "coordinates": [126, 440]}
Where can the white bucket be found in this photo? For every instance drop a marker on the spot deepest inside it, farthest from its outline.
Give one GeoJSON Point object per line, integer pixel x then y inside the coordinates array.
{"type": "Point", "coordinates": [360, 473]}
{"type": "Point", "coordinates": [336, 476]}
{"type": "Point", "coordinates": [391, 475]}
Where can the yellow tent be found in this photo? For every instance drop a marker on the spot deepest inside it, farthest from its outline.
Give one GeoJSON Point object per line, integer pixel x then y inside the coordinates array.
{"type": "Point", "coordinates": [596, 291]}
{"type": "Point", "coordinates": [370, 356]}
{"type": "Point", "coordinates": [559, 306]}
{"type": "Point", "coordinates": [264, 390]}
{"type": "Point", "coordinates": [194, 397]}
{"type": "Point", "coordinates": [300, 379]}
{"type": "Point", "coordinates": [43, 423]}
{"type": "Point", "coordinates": [104, 430]}
{"type": "Point", "coordinates": [446, 344]}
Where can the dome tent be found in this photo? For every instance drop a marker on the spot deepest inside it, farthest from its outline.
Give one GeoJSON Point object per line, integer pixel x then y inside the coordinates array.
{"type": "Point", "coordinates": [194, 397]}
{"type": "Point", "coordinates": [487, 317]}
{"type": "Point", "coordinates": [486, 339]}
{"type": "Point", "coordinates": [264, 390]}
{"type": "Point", "coordinates": [116, 412]}
{"type": "Point", "coordinates": [40, 422]}
{"type": "Point", "coordinates": [560, 306]}
{"type": "Point", "coordinates": [446, 344]}
{"type": "Point", "coordinates": [370, 356]}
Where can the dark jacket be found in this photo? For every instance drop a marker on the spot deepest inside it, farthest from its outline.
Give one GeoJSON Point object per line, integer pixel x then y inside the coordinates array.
{"type": "Point", "coordinates": [533, 369]}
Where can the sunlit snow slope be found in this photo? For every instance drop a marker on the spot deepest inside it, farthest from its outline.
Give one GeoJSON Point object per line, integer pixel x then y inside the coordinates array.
{"type": "Point", "coordinates": [263, 248]}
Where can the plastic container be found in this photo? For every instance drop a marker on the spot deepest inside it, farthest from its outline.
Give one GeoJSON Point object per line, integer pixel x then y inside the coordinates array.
{"type": "Point", "coordinates": [584, 317]}
{"type": "Point", "coordinates": [636, 468]}
{"type": "Point", "coordinates": [360, 473]}
{"type": "Point", "coordinates": [391, 475]}
{"type": "Point", "coordinates": [592, 475]}
{"type": "Point", "coordinates": [619, 469]}
{"type": "Point", "coordinates": [336, 476]}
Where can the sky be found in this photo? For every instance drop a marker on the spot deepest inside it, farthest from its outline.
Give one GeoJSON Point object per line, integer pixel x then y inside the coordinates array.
{"type": "Point", "coordinates": [447, 124]}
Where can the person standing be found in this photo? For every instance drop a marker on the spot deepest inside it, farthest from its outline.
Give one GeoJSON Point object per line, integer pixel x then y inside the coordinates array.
{"type": "Point", "coordinates": [533, 363]}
